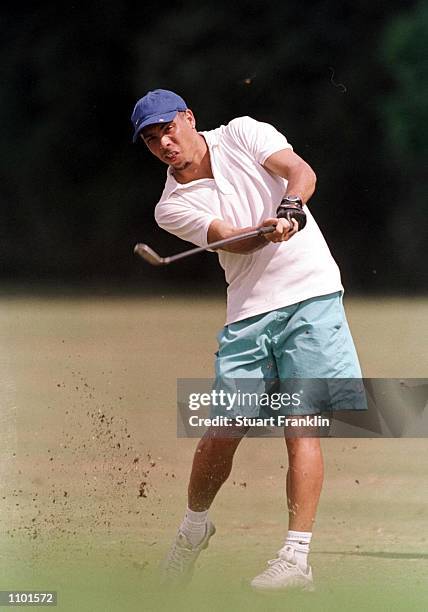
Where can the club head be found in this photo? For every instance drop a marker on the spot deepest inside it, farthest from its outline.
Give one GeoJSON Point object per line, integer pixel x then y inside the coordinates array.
{"type": "Point", "coordinates": [148, 254]}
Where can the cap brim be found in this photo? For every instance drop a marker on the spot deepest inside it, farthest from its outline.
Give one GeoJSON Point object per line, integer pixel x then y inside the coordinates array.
{"type": "Point", "coordinates": [160, 118]}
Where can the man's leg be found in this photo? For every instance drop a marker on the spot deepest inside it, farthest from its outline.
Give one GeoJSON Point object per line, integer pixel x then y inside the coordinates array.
{"type": "Point", "coordinates": [304, 481]}
{"type": "Point", "coordinates": [243, 354]}
{"type": "Point", "coordinates": [303, 487]}
{"type": "Point", "coordinates": [212, 464]}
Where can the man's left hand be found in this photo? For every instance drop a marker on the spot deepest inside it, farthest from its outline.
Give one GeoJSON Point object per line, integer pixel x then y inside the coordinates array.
{"type": "Point", "coordinates": [284, 230]}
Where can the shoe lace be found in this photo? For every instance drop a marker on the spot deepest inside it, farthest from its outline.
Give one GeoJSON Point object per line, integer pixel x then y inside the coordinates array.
{"type": "Point", "coordinates": [277, 567]}
{"type": "Point", "coordinates": [179, 557]}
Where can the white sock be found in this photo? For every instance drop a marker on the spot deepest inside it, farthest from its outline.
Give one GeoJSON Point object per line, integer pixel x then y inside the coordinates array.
{"type": "Point", "coordinates": [300, 541]}
{"type": "Point", "coordinates": [194, 526]}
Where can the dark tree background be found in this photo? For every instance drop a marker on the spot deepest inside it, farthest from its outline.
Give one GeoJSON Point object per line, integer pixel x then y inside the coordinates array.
{"type": "Point", "coordinates": [345, 81]}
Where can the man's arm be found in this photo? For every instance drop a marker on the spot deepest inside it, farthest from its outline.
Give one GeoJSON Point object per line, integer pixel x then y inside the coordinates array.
{"type": "Point", "coordinates": [301, 182]}
{"type": "Point", "coordinates": [219, 230]}
{"type": "Point", "coordinates": [300, 176]}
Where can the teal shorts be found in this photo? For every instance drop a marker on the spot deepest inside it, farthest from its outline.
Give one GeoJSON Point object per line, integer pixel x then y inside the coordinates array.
{"type": "Point", "coordinates": [305, 346]}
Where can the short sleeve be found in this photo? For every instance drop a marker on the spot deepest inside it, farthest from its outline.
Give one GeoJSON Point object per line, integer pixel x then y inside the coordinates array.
{"type": "Point", "coordinates": [259, 138]}
{"type": "Point", "coordinates": [177, 216]}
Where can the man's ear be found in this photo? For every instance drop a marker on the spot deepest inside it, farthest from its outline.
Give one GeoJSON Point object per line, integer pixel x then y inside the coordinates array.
{"type": "Point", "coordinates": [190, 117]}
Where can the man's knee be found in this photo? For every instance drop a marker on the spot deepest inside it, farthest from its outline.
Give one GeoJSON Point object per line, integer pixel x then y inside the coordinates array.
{"type": "Point", "coordinates": [220, 441]}
{"type": "Point", "coordinates": [300, 442]}
{"type": "Point", "coordinates": [217, 446]}
{"type": "Point", "coordinates": [296, 446]}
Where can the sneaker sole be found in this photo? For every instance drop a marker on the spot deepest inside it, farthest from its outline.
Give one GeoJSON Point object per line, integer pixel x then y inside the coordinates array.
{"type": "Point", "coordinates": [307, 588]}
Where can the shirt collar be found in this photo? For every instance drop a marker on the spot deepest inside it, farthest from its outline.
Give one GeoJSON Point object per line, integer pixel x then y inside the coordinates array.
{"type": "Point", "coordinates": [212, 138]}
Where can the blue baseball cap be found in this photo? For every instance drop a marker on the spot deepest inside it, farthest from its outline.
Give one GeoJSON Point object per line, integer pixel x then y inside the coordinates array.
{"type": "Point", "coordinates": [157, 106]}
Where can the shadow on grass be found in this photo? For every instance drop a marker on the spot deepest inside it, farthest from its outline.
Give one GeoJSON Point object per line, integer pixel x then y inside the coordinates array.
{"type": "Point", "coordinates": [379, 555]}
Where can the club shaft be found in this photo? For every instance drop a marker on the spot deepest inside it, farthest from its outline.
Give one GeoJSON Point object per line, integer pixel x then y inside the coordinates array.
{"type": "Point", "coordinates": [219, 243]}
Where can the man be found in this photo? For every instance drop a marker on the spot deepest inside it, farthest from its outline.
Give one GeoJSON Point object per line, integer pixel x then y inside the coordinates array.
{"type": "Point", "coordinates": [284, 306]}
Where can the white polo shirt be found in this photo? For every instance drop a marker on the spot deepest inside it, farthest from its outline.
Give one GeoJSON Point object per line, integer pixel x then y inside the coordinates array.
{"type": "Point", "coordinates": [243, 193]}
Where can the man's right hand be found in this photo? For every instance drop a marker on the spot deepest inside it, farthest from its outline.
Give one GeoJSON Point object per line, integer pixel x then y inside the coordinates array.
{"type": "Point", "coordinates": [284, 230]}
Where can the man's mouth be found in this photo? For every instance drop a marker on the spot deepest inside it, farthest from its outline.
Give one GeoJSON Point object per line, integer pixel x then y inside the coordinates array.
{"type": "Point", "coordinates": [171, 156]}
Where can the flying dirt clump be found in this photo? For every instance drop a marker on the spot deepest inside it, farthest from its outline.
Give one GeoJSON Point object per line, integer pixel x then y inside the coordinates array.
{"type": "Point", "coordinates": [94, 479]}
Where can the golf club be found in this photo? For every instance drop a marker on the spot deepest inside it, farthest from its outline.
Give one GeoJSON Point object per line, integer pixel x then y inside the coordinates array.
{"type": "Point", "coordinates": [149, 255]}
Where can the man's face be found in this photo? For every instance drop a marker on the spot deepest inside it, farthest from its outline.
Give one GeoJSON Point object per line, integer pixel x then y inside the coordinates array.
{"type": "Point", "coordinates": [174, 143]}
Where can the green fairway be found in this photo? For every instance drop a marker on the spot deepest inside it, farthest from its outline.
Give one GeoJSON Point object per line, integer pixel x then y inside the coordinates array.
{"type": "Point", "coordinates": [93, 478]}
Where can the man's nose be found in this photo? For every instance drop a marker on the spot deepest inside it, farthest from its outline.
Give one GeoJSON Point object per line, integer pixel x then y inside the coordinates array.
{"type": "Point", "coordinates": [165, 141]}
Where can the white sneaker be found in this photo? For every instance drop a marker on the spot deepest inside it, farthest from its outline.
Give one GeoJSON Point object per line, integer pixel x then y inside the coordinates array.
{"type": "Point", "coordinates": [178, 566]}
{"type": "Point", "coordinates": [284, 573]}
